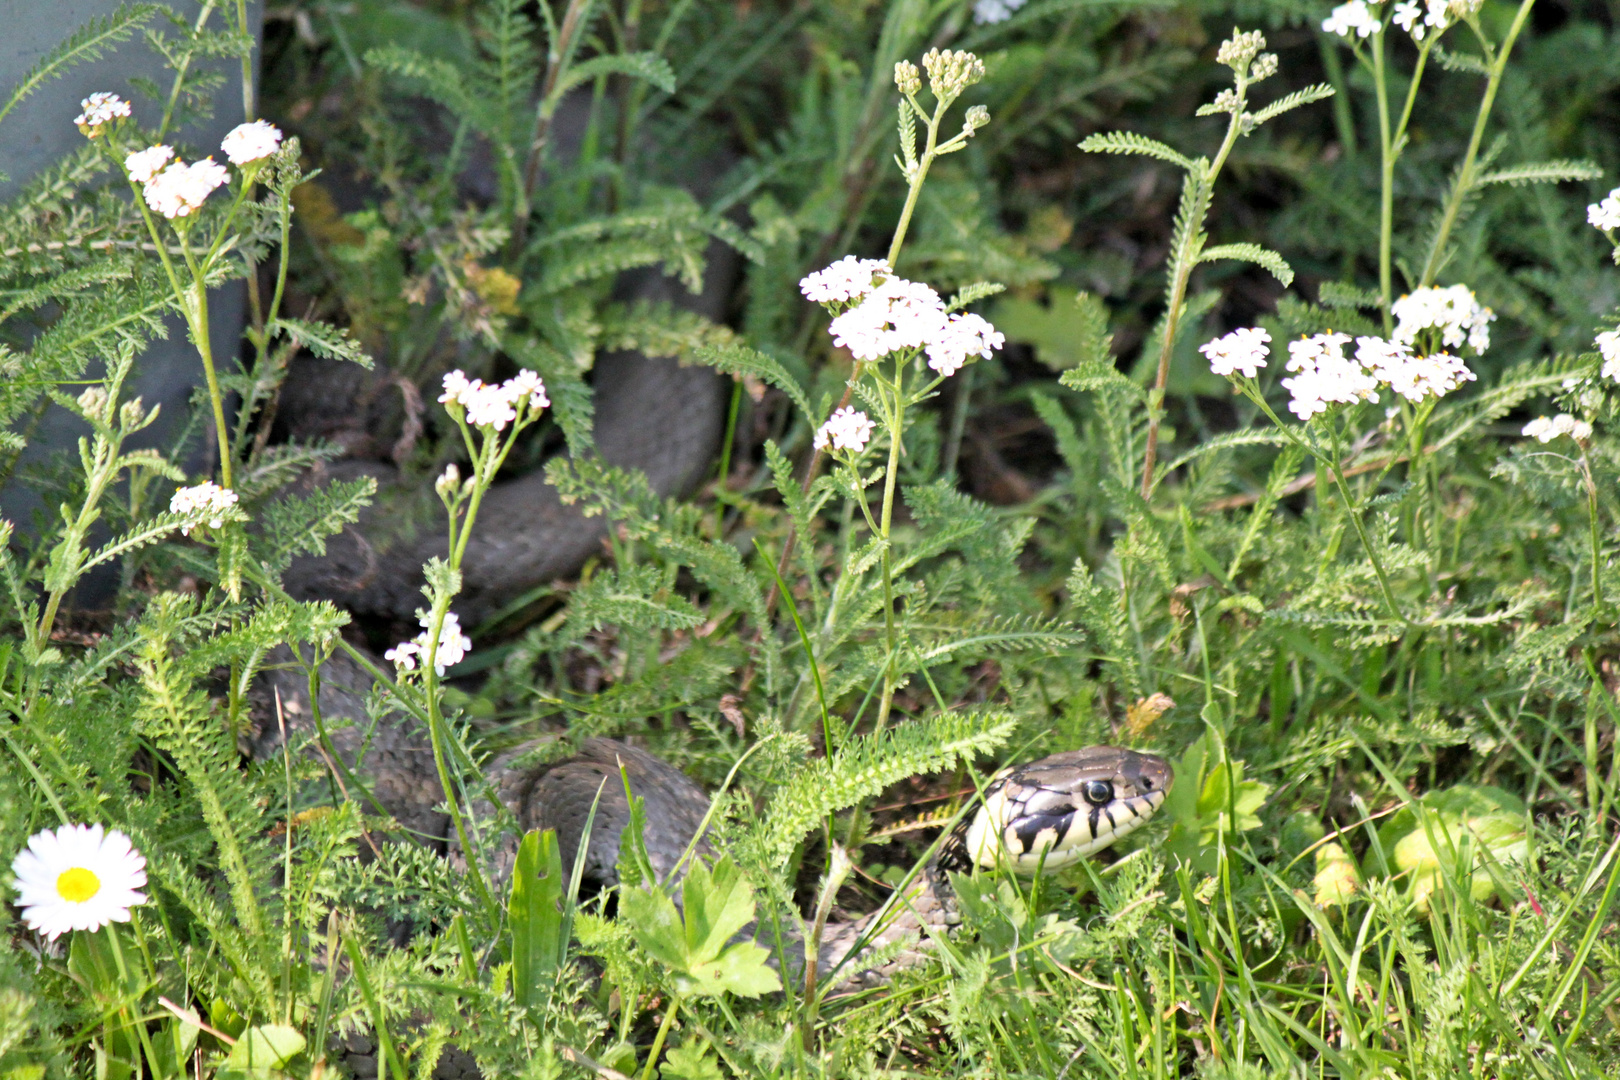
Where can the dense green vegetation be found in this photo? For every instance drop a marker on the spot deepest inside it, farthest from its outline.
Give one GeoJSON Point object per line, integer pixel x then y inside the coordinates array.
{"type": "Point", "coordinates": [1370, 614]}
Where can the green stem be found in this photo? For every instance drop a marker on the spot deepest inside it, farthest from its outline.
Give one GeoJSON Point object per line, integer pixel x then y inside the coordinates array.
{"type": "Point", "coordinates": [1354, 514]}
{"type": "Point", "coordinates": [1465, 175]}
{"type": "Point", "coordinates": [663, 1033]}
{"type": "Point", "coordinates": [1386, 176]}
{"type": "Point", "coordinates": [1595, 536]}
{"type": "Point", "coordinates": [890, 633]}
{"type": "Point", "coordinates": [1183, 259]}
{"type": "Point", "coordinates": [197, 314]}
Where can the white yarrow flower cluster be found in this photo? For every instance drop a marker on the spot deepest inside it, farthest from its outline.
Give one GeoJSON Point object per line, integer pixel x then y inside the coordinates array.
{"type": "Point", "coordinates": [1608, 344]}
{"type": "Point", "coordinates": [897, 315]}
{"type": "Point", "coordinates": [1453, 311]}
{"type": "Point", "coordinates": [962, 337]}
{"type": "Point", "coordinates": [494, 406]}
{"type": "Point", "coordinates": [1605, 214]}
{"type": "Point", "coordinates": [207, 501]}
{"type": "Point", "coordinates": [846, 429]}
{"type": "Point", "coordinates": [1546, 429]}
{"type": "Point", "coordinates": [179, 190]}
{"type": "Point", "coordinates": [142, 165]}
{"type": "Point", "coordinates": [99, 109]}
{"type": "Point", "coordinates": [78, 877]}
{"type": "Point", "coordinates": [1354, 17]}
{"type": "Point", "coordinates": [845, 280]}
{"type": "Point", "coordinates": [251, 142]}
{"type": "Point", "coordinates": [1412, 377]}
{"type": "Point", "coordinates": [1242, 350]}
{"type": "Point", "coordinates": [1325, 376]}
{"type": "Point", "coordinates": [453, 646]}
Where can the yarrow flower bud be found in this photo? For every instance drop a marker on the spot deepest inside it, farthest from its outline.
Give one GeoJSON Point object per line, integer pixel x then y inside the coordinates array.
{"type": "Point", "coordinates": [100, 109]}
{"type": "Point", "coordinates": [1545, 430]}
{"type": "Point", "coordinates": [207, 500]}
{"type": "Point", "coordinates": [907, 77]}
{"type": "Point", "coordinates": [846, 429]}
{"type": "Point", "coordinates": [950, 71]}
{"type": "Point", "coordinates": [1242, 350]}
{"type": "Point", "coordinates": [1354, 17]}
{"type": "Point", "coordinates": [448, 481]}
{"type": "Point", "coordinates": [93, 403]}
{"type": "Point", "coordinates": [1608, 344]}
{"type": "Point", "coordinates": [144, 164]}
{"type": "Point", "coordinates": [977, 117]}
{"type": "Point", "coordinates": [1605, 214]}
{"type": "Point", "coordinates": [251, 142]}
{"type": "Point", "coordinates": [847, 279]}
{"type": "Point", "coordinates": [1264, 67]}
{"type": "Point", "coordinates": [181, 189]}
{"type": "Point", "coordinates": [1237, 51]}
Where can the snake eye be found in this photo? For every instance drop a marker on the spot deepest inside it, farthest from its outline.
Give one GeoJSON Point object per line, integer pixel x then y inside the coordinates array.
{"type": "Point", "coordinates": [1098, 792]}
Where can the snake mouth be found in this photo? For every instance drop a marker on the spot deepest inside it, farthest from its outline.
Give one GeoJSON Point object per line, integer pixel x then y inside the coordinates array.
{"type": "Point", "coordinates": [1054, 812]}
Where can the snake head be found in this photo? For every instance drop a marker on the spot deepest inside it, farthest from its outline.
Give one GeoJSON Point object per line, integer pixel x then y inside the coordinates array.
{"type": "Point", "coordinates": [1056, 811]}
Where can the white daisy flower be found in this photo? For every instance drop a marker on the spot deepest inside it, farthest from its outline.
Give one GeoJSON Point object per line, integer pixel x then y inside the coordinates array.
{"type": "Point", "coordinates": [962, 336]}
{"type": "Point", "coordinates": [1244, 349]}
{"type": "Point", "coordinates": [145, 164]}
{"type": "Point", "coordinates": [847, 279]}
{"type": "Point", "coordinates": [207, 501]}
{"type": "Point", "coordinates": [846, 429]}
{"type": "Point", "coordinates": [1608, 344]}
{"type": "Point", "coordinates": [99, 109]}
{"type": "Point", "coordinates": [179, 190]}
{"type": "Point", "coordinates": [251, 142]}
{"type": "Point", "coordinates": [1354, 17]}
{"type": "Point", "coordinates": [78, 877]}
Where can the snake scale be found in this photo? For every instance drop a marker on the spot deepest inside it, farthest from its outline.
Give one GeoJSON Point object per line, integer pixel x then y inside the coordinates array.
{"type": "Point", "coordinates": [1049, 813]}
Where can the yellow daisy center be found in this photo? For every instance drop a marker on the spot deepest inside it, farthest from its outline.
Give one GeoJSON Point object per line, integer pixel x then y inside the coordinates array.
{"type": "Point", "coordinates": [76, 885]}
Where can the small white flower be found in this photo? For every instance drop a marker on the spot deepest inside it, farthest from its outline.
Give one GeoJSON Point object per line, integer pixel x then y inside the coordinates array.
{"type": "Point", "coordinates": [1244, 349]}
{"type": "Point", "coordinates": [1354, 17]}
{"type": "Point", "coordinates": [962, 336]}
{"type": "Point", "coordinates": [456, 383]}
{"type": "Point", "coordinates": [251, 142]}
{"type": "Point", "coordinates": [846, 429]}
{"type": "Point", "coordinates": [402, 656]}
{"type": "Point", "coordinates": [898, 314]}
{"type": "Point", "coordinates": [1605, 215]}
{"type": "Point", "coordinates": [527, 384]}
{"type": "Point", "coordinates": [78, 877]}
{"type": "Point", "coordinates": [99, 109]}
{"type": "Point", "coordinates": [1608, 344]}
{"type": "Point", "coordinates": [453, 644]}
{"type": "Point", "coordinates": [847, 279]}
{"type": "Point", "coordinates": [1408, 16]}
{"type": "Point", "coordinates": [488, 406]}
{"type": "Point", "coordinates": [144, 164]}
{"type": "Point", "coordinates": [179, 190]}
{"type": "Point", "coordinates": [449, 480]}
{"type": "Point", "coordinates": [207, 501]}
{"type": "Point", "coordinates": [1324, 376]}
{"type": "Point", "coordinates": [1543, 429]}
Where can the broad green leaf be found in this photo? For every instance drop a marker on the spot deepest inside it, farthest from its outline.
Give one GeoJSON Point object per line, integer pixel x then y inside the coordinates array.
{"type": "Point", "coordinates": [535, 910]}
{"type": "Point", "coordinates": [690, 1061]}
{"type": "Point", "coordinates": [718, 904]}
{"type": "Point", "coordinates": [267, 1046]}
{"type": "Point", "coordinates": [656, 925]}
{"type": "Point", "coordinates": [740, 970]}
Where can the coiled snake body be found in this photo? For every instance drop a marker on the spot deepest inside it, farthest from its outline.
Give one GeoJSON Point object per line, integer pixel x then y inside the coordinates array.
{"type": "Point", "coordinates": [1049, 813]}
